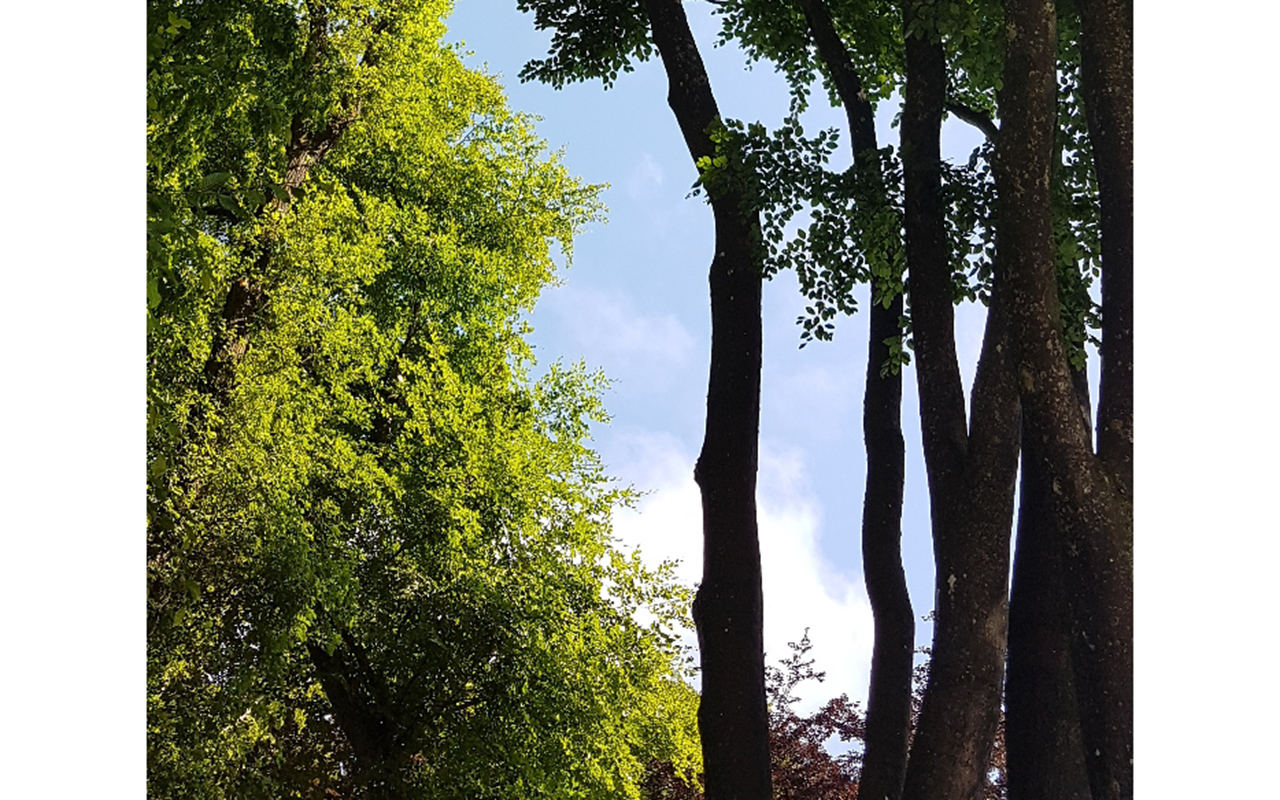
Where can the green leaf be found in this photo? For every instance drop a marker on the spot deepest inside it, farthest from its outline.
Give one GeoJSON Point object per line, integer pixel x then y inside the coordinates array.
{"type": "Point", "coordinates": [229, 203]}
{"type": "Point", "coordinates": [214, 180]}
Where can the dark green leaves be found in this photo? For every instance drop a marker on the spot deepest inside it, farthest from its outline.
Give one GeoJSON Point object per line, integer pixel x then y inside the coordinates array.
{"type": "Point", "coordinates": [589, 40]}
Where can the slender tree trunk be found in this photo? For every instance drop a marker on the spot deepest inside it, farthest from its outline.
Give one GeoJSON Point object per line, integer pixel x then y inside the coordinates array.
{"type": "Point", "coordinates": [971, 471]}
{"type": "Point", "coordinates": [1104, 582]}
{"type": "Point", "coordinates": [1106, 66]}
{"type": "Point", "coordinates": [888, 723]}
{"type": "Point", "coordinates": [1044, 752]}
{"type": "Point", "coordinates": [884, 761]}
{"type": "Point", "coordinates": [1090, 493]}
{"type": "Point", "coordinates": [729, 607]}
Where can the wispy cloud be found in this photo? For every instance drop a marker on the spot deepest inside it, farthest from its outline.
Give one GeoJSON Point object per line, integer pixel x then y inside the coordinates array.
{"type": "Point", "coordinates": [610, 330]}
{"type": "Point", "coordinates": [800, 590]}
{"type": "Point", "coordinates": [817, 401]}
{"type": "Point", "coordinates": [645, 177]}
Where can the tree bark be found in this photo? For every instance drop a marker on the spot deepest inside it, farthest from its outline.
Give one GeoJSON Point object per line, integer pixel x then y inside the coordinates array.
{"type": "Point", "coordinates": [1044, 752]}
{"type": "Point", "coordinates": [729, 607]}
{"type": "Point", "coordinates": [971, 471]}
{"type": "Point", "coordinates": [1090, 493]}
{"type": "Point", "coordinates": [1101, 566]}
{"type": "Point", "coordinates": [888, 721]}
{"type": "Point", "coordinates": [1106, 65]}
{"type": "Point", "coordinates": [364, 710]}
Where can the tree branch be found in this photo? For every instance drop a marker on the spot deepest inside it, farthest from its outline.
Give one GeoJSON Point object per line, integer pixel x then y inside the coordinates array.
{"type": "Point", "coordinates": [978, 119]}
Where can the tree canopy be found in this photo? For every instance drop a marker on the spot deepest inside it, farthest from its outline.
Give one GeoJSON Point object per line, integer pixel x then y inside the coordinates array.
{"type": "Point", "coordinates": [379, 554]}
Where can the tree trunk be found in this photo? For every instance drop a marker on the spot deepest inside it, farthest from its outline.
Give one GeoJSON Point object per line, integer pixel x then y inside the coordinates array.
{"type": "Point", "coordinates": [888, 722]}
{"type": "Point", "coordinates": [971, 472]}
{"type": "Point", "coordinates": [1090, 494]}
{"type": "Point", "coordinates": [364, 709]}
{"type": "Point", "coordinates": [1104, 586]}
{"type": "Point", "coordinates": [1106, 67]}
{"type": "Point", "coordinates": [1044, 752]}
{"type": "Point", "coordinates": [884, 761]}
{"type": "Point", "coordinates": [729, 607]}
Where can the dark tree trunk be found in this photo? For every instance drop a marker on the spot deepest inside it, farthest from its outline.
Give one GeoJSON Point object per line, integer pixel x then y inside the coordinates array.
{"type": "Point", "coordinates": [365, 711]}
{"type": "Point", "coordinates": [1102, 566]}
{"type": "Point", "coordinates": [1090, 494]}
{"type": "Point", "coordinates": [1044, 752]}
{"type": "Point", "coordinates": [971, 469]}
{"type": "Point", "coordinates": [884, 763]}
{"type": "Point", "coordinates": [888, 721]}
{"type": "Point", "coordinates": [729, 608]}
{"type": "Point", "coordinates": [1106, 66]}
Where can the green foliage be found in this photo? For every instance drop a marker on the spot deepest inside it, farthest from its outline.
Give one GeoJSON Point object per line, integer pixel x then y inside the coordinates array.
{"type": "Point", "coordinates": [854, 233]}
{"type": "Point", "coordinates": [853, 230]}
{"type": "Point", "coordinates": [595, 40]}
{"type": "Point", "coordinates": [381, 519]}
{"type": "Point", "coordinates": [776, 32]}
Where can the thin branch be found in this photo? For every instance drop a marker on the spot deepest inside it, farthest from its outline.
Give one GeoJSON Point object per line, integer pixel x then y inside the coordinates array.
{"type": "Point", "coordinates": [979, 119]}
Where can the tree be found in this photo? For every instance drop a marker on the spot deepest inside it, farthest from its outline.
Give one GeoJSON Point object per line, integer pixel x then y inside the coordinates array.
{"type": "Point", "coordinates": [729, 607]}
{"type": "Point", "coordinates": [1091, 490]}
{"type": "Point", "coordinates": [971, 463]}
{"type": "Point", "coordinates": [379, 560]}
{"type": "Point", "coordinates": [888, 697]}
{"type": "Point", "coordinates": [952, 58]}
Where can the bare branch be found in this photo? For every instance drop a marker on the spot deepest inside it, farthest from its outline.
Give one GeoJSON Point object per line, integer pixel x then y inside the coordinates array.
{"type": "Point", "coordinates": [979, 119]}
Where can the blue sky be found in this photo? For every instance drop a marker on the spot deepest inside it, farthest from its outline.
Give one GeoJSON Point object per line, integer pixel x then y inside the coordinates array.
{"type": "Point", "coordinates": [635, 304]}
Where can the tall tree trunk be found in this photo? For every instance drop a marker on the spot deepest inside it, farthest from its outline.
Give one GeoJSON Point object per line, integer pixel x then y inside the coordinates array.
{"type": "Point", "coordinates": [1106, 67]}
{"type": "Point", "coordinates": [1102, 569]}
{"type": "Point", "coordinates": [971, 471]}
{"type": "Point", "coordinates": [884, 761]}
{"type": "Point", "coordinates": [1090, 493]}
{"type": "Point", "coordinates": [888, 723]}
{"type": "Point", "coordinates": [729, 607]}
{"type": "Point", "coordinates": [1044, 752]}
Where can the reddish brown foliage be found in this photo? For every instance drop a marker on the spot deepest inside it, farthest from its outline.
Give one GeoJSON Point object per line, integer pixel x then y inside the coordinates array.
{"type": "Point", "coordinates": [802, 767]}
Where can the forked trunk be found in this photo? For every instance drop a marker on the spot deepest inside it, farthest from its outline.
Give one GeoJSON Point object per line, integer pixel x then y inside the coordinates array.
{"type": "Point", "coordinates": [1090, 494]}
{"type": "Point", "coordinates": [971, 468]}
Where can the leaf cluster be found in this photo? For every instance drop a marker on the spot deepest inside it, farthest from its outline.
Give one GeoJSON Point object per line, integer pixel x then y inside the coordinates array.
{"type": "Point", "coordinates": [589, 40]}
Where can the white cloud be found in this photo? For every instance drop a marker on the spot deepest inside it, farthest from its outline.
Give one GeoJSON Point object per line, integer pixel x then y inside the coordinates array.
{"type": "Point", "coordinates": [609, 329]}
{"type": "Point", "coordinates": [817, 401]}
{"type": "Point", "coordinates": [645, 177]}
{"type": "Point", "coordinates": [800, 589]}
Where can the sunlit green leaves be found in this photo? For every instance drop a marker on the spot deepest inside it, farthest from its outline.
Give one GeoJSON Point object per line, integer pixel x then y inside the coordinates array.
{"type": "Point", "coordinates": [380, 477]}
